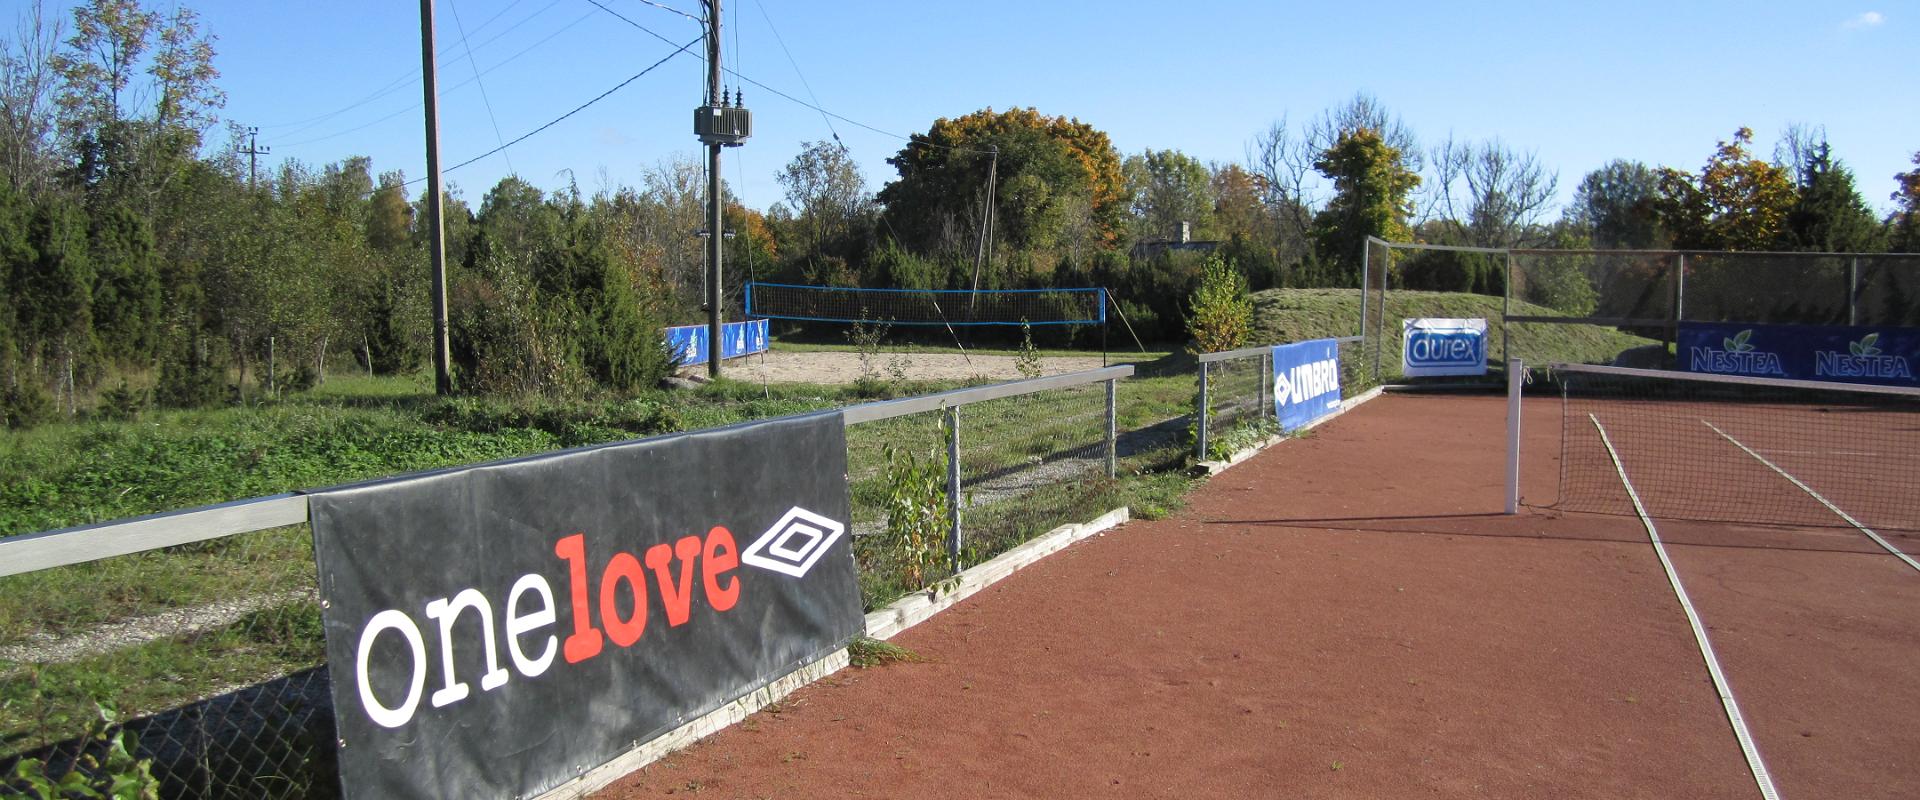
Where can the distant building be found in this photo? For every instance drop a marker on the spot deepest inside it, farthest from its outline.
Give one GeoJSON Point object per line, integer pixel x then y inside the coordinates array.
{"type": "Point", "coordinates": [1151, 246]}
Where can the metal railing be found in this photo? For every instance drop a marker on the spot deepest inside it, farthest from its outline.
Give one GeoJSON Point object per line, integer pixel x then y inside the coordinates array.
{"type": "Point", "coordinates": [1237, 386]}
{"type": "Point", "coordinates": [203, 624]}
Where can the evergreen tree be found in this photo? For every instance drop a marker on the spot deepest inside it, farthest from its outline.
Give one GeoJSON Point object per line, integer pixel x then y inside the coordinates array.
{"type": "Point", "coordinates": [1371, 186]}
{"type": "Point", "coordinates": [1828, 214]}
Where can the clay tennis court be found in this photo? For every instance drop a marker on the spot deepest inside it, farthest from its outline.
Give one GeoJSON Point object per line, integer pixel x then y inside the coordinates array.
{"type": "Point", "coordinates": [1348, 615]}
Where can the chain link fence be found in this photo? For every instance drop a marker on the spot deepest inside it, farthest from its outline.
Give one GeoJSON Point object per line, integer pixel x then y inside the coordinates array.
{"type": "Point", "coordinates": [943, 483]}
{"type": "Point", "coordinates": [204, 659]}
{"type": "Point", "coordinates": [200, 667]}
{"type": "Point", "coordinates": [1622, 306]}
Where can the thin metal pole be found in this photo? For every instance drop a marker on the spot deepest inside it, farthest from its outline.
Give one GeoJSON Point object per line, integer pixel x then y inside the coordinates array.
{"type": "Point", "coordinates": [1113, 443]}
{"type": "Point", "coordinates": [436, 236]}
{"type": "Point", "coordinates": [1679, 297]}
{"type": "Point", "coordinates": [1386, 272]}
{"type": "Point", "coordinates": [716, 225]}
{"type": "Point", "coordinates": [1506, 309]}
{"type": "Point", "coordinates": [953, 485]}
{"type": "Point", "coordinates": [1266, 383]}
{"type": "Point", "coordinates": [1853, 291]}
{"type": "Point", "coordinates": [1200, 415]}
{"type": "Point", "coordinates": [1516, 374]}
{"type": "Point", "coordinates": [1366, 277]}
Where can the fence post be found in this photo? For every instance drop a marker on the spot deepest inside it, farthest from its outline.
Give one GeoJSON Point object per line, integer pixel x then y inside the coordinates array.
{"type": "Point", "coordinates": [1380, 341]}
{"type": "Point", "coordinates": [1266, 378]}
{"type": "Point", "coordinates": [1200, 418]}
{"type": "Point", "coordinates": [1516, 375]}
{"type": "Point", "coordinates": [1679, 297]}
{"type": "Point", "coordinates": [1506, 310]}
{"type": "Point", "coordinates": [1853, 290]}
{"type": "Point", "coordinates": [1113, 448]}
{"type": "Point", "coordinates": [953, 485]}
{"type": "Point", "coordinates": [1366, 276]}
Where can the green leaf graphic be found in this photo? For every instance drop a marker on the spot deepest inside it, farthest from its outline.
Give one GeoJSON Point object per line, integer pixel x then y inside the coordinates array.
{"type": "Point", "coordinates": [1740, 340]}
{"type": "Point", "coordinates": [1854, 348]}
{"type": "Point", "coordinates": [1869, 344]}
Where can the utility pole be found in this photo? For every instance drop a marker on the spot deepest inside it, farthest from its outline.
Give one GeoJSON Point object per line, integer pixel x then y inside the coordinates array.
{"type": "Point", "coordinates": [254, 151]}
{"type": "Point", "coordinates": [986, 229]}
{"type": "Point", "coordinates": [718, 124]}
{"type": "Point", "coordinates": [436, 238]}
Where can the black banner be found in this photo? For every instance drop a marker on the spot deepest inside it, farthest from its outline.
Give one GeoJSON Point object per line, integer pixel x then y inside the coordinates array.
{"type": "Point", "coordinates": [500, 629]}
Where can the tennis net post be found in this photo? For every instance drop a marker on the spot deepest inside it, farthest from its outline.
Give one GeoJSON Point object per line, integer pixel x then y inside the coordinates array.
{"type": "Point", "coordinates": [1516, 376]}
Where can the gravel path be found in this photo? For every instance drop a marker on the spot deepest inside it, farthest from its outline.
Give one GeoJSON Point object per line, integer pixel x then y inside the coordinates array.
{"type": "Point", "coordinates": [118, 635]}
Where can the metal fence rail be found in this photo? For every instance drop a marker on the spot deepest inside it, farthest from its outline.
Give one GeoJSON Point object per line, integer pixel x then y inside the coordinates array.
{"type": "Point", "coordinates": [201, 627]}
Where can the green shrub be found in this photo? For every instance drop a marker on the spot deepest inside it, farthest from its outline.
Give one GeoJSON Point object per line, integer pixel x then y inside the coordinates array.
{"type": "Point", "coordinates": [123, 402]}
{"type": "Point", "coordinates": [1220, 315]}
{"type": "Point", "coordinates": [25, 405]}
{"type": "Point", "coordinates": [916, 510]}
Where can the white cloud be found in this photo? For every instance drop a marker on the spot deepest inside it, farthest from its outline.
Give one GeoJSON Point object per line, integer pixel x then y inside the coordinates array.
{"type": "Point", "coordinates": [1870, 19]}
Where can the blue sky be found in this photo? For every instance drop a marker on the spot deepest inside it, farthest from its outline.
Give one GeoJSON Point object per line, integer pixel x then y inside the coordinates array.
{"type": "Point", "coordinates": [1577, 83]}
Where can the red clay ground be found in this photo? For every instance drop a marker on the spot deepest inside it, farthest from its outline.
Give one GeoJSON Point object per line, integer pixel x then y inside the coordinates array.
{"type": "Point", "coordinates": [1342, 617]}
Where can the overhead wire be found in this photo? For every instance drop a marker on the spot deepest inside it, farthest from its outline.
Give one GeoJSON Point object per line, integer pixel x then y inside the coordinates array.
{"type": "Point", "coordinates": [796, 70]}
{"type": "Point", "coordinates": [413, 76]}
{"type": "Point", "coordinates": [666, 7]}
{"type": "Point", "coordinates": [484, 99]}
{"type": "Point", "coordinates": [814, 105]}
{"type": "Point", "coordinates": [450, 89]}
{"type": "Point", "coordinates": [582, 107]}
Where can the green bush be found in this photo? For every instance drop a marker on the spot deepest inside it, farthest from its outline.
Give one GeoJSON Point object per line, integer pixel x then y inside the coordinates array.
{"type": "Point", "coordinates": [1220, 315]}
{"type": "Point", "coordinates": [25, 405]}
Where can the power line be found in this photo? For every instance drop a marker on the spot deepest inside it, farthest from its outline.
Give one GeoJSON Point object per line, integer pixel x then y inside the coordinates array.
{"type": "Point", "coordinates": [666, 7]}
{"type": "Point", "coordinates": [412, 76]}
{"type": "Point", "coordinates": [814, 105]}
{"type": "Point", "coordinates": [857, 123]}
{"type": "Point", "coordinates": [796, 68]}
{"type": "Point", "coordinates": [449, 90]}
{"type": "Point", "coordinates": [484, 99]}
{"type": "Point", "coordinates": [580, 108]}
{"type": "Point", "coordinates": [623, 18]}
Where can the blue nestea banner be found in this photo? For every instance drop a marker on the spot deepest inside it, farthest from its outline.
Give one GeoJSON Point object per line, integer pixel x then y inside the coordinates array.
{"type": "Point", "coordinates": [1306, 382]}
{"type": "Point", "coordinates": [1845, 354]}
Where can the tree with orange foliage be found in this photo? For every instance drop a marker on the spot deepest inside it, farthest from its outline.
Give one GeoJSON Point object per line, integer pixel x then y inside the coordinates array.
{"type": "Point", "coordinates": [1054, 175]}
{"type": "Point", "coordinates": [1738, 201]}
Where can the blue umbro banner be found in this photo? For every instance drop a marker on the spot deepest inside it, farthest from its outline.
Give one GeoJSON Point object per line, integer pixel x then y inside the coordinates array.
{"type": "Point", "coordinates": [1434, 346]}
{"type": "Point", "coordinates": [689, 342]}
{"type": "Point", "coordinates": [1845, 354]}
{"type": "Point", "coordinates": [1306, 382]}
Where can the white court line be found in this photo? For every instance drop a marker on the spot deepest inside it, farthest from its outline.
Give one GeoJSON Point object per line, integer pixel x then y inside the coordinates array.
{"type": "Point", "coordinates": [1816, 495]}
{"type": "Point", "coordinates": [1739, 722]}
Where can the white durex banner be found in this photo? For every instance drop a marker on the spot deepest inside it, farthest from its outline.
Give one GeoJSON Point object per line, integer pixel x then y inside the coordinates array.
{"type": "Point", "coordinates": [1436, 346]}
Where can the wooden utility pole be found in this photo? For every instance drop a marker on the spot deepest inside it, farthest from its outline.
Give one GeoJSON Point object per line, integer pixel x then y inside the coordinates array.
{"type": "Point", "coordinates": [718, 124]}
{"type": "Point", "coordinates": [254, 151]}
{"type": "Point", "coordinates": [716, 226]}
{"type": "Point", "coordinates": [986, 230]}
{"type": "Point", "coordinates": [436, 236]}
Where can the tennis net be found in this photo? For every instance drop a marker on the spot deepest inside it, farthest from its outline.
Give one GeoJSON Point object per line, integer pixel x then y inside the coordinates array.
{"type": "Point", "coordinates": [1740, 450]}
